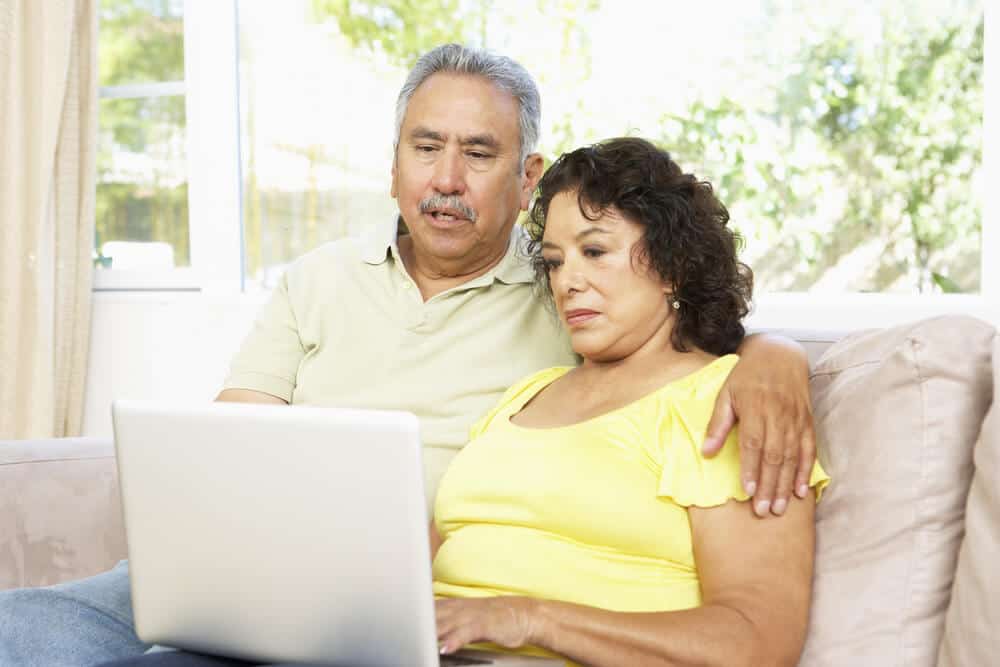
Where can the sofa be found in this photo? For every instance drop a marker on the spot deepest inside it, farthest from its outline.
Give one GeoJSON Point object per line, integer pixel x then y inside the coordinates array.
{"type": "Point", "coordinates": [908, 533]}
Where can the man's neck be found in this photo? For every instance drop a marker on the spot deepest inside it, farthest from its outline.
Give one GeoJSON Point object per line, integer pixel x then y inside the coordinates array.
{"type": "Point", "coordinates": [433, 278]}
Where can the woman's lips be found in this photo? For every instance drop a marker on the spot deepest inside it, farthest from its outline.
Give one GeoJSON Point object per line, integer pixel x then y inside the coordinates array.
{"type": "Point", "coordinates": [579, 316]}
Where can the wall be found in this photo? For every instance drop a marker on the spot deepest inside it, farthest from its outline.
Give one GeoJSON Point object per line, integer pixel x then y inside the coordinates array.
{"type": "Point", "coordinates": [168, 345]}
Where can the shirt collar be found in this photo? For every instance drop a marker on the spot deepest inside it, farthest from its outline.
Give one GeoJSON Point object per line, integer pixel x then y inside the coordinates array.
{"type": "Point", "coordinates": [514, 268]}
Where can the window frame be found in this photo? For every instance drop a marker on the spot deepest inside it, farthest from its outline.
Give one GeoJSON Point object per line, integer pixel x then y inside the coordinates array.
{"type": "Point", "coordinates": [212, 102]}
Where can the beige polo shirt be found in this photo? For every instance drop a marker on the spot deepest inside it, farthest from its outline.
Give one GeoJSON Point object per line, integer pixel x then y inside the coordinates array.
{"type": "Point", "coordinates": [347, 327]}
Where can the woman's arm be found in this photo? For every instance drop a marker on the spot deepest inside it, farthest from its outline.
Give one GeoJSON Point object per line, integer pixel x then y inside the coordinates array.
{"type": "Point", "coordinates": [755, 607]}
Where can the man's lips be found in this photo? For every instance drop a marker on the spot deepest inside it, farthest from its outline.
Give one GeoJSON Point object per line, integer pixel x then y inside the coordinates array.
{"type": "Point", "coordinates": [445, 217]}
{"type": "Point", "coordinates": [578, 316]}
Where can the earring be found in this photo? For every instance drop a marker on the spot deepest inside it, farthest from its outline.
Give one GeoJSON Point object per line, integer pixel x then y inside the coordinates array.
{"type": "Point", "coordinates": [676, 304]}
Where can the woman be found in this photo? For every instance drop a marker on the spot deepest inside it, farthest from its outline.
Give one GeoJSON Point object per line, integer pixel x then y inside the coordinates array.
{"type": "Point", "coordinates": [582, 520]}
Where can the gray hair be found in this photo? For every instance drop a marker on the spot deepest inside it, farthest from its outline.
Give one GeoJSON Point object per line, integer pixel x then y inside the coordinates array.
{"type": "Point", "coordinates": [505, 73]}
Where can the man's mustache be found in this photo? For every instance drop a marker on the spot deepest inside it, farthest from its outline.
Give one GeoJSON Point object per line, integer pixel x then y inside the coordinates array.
{"type": "Point", "coordinates": [451, 202]}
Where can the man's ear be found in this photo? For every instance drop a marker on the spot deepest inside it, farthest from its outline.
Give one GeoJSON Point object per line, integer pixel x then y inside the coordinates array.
{"type": "Point", "coordinates": [393, 189]}
{"type": "Point", "coordinates": [534, 165]}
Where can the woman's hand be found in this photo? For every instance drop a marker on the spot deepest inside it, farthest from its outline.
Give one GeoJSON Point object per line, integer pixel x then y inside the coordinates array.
{"type": "Point", "coordinates": [508, 621]}
{"type": "Point", "coordinates": [768, 392]}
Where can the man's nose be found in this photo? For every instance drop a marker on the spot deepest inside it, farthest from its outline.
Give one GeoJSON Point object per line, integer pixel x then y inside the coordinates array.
{"type": "Point", "coordinates": [449, 173]}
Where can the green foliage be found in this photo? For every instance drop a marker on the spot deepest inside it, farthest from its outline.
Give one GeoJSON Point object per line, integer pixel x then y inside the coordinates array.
{"type": "Point", "coordinates": [403, 29]}
{"type": "Point", "coordinates": [140, 139]}
{"type": "Point", "coordinates": [896, 127]}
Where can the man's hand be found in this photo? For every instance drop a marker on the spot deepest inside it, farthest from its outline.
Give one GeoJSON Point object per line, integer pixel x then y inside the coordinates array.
{"type": "Point", "coordinates": [509, 621]}
{"type": "Point", "coordinates": [768, 393]}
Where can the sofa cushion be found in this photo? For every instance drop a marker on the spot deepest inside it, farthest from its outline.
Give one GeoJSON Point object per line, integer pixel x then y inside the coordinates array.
{"type": "Point", "coordinates": [970, 633]}
{"type": "Point", "coordinates": [60, 513]}
{"type": "Point", "coordinates": [897, 413]}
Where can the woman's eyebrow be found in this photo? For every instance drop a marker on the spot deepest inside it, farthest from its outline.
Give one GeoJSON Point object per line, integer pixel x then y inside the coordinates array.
{"type": "Point", "coordinates": [580, 236]}
{"type": "Point", "coordinates": [592, 230]}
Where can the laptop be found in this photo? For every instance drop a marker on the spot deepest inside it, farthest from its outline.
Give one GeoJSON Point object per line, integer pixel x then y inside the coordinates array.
{"type": "Point", "coordinates": [281, 534]}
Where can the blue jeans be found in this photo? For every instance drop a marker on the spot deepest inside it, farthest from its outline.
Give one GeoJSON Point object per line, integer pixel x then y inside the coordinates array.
{"type": "Point", "coordinates": [75, 624]}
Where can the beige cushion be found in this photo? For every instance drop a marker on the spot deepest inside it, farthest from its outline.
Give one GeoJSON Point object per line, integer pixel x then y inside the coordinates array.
{"type": "Point", "coordinates": [60, 513]}
{"type": "Point", "coordinates": [972, 628]}
{"type": "Point", "coordinates": [897, 414]}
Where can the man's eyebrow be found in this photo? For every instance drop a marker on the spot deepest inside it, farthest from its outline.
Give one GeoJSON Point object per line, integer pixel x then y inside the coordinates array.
{"type": "Point", "coordinates": [486, 139]}
{"type": "Point", "coordinates": [421, 132]}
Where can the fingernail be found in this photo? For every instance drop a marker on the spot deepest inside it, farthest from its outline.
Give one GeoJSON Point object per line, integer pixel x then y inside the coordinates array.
{"type": "Point", "coordinates": [779, 506]}
{"type": "Point", "coordinates": [762, 507]}
{"type": "Point", "coordinates": [751, 488]}
{"type": "Point", "coordinates": [802, 491]}
{"type": "Point", "coordinates": [443, 649]}
{"type": "Point", "coordinates": [707, 445]}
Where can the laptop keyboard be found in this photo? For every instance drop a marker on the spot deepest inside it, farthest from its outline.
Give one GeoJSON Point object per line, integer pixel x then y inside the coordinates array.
{"type": "Point", "coordinates": [457, 660]}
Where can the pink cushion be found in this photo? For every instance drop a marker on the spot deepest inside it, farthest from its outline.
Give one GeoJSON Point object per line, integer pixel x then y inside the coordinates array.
{"type": "Point", "coordinates": [898, 412]}
{"type": "Point", "coordinates": [60, 513]}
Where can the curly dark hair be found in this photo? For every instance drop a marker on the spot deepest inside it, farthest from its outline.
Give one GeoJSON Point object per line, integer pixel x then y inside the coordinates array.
{"type": "Point", "coordinates": [685, 238]}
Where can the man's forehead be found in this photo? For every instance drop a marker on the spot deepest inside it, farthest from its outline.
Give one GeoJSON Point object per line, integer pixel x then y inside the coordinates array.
{"type": "Point", "coordinates": [469, 105]}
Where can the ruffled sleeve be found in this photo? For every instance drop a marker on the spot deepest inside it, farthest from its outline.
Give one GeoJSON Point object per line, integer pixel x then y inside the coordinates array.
{"type": "Point", "coordinates": [515, 397]}
{"type": "Point", "coordinates": [688, 478]}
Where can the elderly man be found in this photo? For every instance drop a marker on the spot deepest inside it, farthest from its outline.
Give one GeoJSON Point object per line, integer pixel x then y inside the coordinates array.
{"type": "Point", "coordinates": [438, 321]}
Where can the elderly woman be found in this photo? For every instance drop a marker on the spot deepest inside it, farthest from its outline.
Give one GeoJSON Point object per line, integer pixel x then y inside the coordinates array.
{"type": "Point", "coordinates": [581, 518]}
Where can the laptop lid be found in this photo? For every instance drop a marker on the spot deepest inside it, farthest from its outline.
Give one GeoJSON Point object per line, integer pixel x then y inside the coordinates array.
{"type": "Point", "coordinates": [277, 533]}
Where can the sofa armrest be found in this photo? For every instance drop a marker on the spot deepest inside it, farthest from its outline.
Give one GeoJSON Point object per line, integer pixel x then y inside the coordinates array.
{"type": "Point", "coordinates": [60, 511]}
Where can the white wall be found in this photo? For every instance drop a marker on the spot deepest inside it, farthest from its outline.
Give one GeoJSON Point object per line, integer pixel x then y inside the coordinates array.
{"type": "Point", "coordinates": [160, 345]}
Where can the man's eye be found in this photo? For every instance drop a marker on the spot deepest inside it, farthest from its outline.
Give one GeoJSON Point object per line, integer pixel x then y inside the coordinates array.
{"type": "Point", "coordinates": [426, 149]}
{"type": "Point", "coordinates": [478, 155]}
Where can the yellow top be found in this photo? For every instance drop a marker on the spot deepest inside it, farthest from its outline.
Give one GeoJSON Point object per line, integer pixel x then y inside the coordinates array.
{"type": "Point", "coordinates": [592, 513]}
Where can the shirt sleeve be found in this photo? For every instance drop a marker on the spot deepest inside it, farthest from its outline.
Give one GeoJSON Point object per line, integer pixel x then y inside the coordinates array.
{"type": "Point", "coordinates": [269, 358]}
{"type": "Point", "coordinates": [688, 478]}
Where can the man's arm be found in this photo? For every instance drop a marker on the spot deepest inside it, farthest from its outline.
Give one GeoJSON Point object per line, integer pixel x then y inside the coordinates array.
{"type": "Point", "coordinates": [768, 393]}
{"type": "Point", "coordinates": [248, 396]}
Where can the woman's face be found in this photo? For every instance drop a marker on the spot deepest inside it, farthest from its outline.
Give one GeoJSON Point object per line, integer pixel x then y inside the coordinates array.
{"type": "Point", "coordinates": [608, 299]}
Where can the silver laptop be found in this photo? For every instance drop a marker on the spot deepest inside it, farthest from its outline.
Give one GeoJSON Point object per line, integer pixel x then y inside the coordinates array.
{"type": "Point", "coordinates": [275, 533]}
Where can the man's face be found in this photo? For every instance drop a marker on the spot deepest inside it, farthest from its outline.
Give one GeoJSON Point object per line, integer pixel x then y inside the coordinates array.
{"type": "Point", "coordinates": [456, 175]}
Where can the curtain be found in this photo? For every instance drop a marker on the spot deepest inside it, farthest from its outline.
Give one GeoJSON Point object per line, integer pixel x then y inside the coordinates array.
{"type": "Point", "coordinates": [48, 134]}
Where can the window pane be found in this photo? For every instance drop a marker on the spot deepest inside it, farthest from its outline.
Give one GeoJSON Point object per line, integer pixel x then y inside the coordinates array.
{"type": "Point", "coordinates": [140, 41]}
{"type": "Point", "coordinates": [142, 211]}
{"type": "Point", "coordinates": [845, 138]}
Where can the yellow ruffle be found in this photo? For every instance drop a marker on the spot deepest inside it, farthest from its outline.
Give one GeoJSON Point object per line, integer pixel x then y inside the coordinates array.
{"type": "Point", "coordinates": [688, 478]}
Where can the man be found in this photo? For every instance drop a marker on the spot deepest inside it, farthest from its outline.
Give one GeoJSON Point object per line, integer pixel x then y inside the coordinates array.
{"type": "Point", "coordinates": [439, 321]}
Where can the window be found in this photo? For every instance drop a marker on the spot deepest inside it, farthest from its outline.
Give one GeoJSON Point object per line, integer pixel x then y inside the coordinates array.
{"type": "Point", "coordinates": [142, 198]}
{"type": "Point", "coordinates": [847, 144]}
{"type": "Point", "coordinates": [846, 139]}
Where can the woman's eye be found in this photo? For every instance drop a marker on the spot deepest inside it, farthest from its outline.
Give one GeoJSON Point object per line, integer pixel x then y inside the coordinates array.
{"type": "Point", "coordinates": [593, 252]}
{"type": "Point", "coordinates": [551, 264]}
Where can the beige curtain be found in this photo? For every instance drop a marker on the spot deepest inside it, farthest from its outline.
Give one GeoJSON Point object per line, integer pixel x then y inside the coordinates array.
{"type": "Point", "coordinates": [48, 132]}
